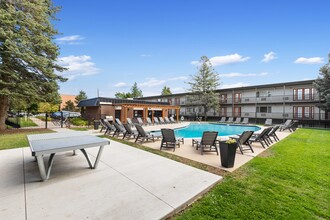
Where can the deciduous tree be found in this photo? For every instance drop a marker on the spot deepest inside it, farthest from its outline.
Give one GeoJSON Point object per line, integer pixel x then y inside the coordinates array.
{"type": "Point", "coordinates": [203, 84]}
{"type": "Point", "coordinates": [28, 54]}
{"type": "Point", "coordinates": [322, 84]}
{"type": "Point", "coordinates": [166, 91]}
{"type": "Point", "coordinates": [82, 95]}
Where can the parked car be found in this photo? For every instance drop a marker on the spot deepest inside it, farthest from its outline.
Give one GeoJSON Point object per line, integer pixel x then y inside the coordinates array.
{"type": "Point", "coordinates": [66, 114]}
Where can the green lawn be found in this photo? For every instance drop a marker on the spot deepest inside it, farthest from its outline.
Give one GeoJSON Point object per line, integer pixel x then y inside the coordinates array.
{"type": "Point", "coordinates": [23, 122]}
{"type": "Point", "coordinates": [289, 181]}
{"type": "Point", "coordinates": [16, 140]}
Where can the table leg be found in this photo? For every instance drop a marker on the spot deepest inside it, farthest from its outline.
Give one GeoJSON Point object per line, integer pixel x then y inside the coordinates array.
{"type": "Point", "coordinates": [44, 174]}
{"type": "Point", "coordinates": [96, 160]}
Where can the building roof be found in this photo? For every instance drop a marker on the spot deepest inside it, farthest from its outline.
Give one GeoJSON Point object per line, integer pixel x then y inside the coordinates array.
{"type": "Point", "coordinates": [103, 100]}
{"type": "Point", "coordinates": [238, 88]}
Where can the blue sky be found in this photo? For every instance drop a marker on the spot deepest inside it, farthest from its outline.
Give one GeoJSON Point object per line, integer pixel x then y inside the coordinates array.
{"type": "Point", "coordinates": [109, 45]}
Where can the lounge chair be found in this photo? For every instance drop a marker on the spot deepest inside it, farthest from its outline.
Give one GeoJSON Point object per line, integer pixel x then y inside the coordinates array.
{"type": "Point", "coordinates": [119, 122]}
{"type": "Point", "coordinates": [268, 122]}
{"type": "Point", "coordinates": [119, 130]}
{"type": "Point", "coordinates": [223, 120]}
{"type": "Point", "coordinates": [143, 135]}
{"type": "Point", "coordinates": [245, 121]}
{"type": "Point", "coordinates": [161, 120]}
{"type": "Point", "coordinates": [237, 121]}
{"type": "Point", "coordinates": [286, 125]}
{"type": "Point", "coordinates": [207, 143]}
{"type": "Point", "coordinates": [149, 122]}
{"type": "Point", "coordinates": [140, 121]}
{"type": "Point", "coordinates": [261, 137]}
{"type": "Point", "coordinates": [230, 120]}
{"type": "Point", "coordinates": [129, 122]}
{"type": "Point", "coordinates": [156, 121]}
{"type": "Point", "coordinates": [169, 140]}
{"type": "Point", "coordinates": [109, 127]}
{"type": "Point", "coordinates": [129, 132]}
{"type": "Point", "coordinates": [172, 120]}
{"type": "Point", "coordinates": [244, 139]}
{"type": "Point", "coordinates": [272, 133]}
{"type": "Point", "coordinates": [167, 121]}
{"type": "Point", "coordinates": [102, 125]}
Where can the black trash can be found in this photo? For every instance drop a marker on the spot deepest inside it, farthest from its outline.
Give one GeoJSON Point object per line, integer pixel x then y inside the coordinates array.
{"type": "Point", "coordinates": [96, 124]}
{"type": "Point", "coordinates": [227, 154]}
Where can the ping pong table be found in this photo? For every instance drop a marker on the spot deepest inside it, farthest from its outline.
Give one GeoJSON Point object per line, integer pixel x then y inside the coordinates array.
{"type": "Point", "coordinates": [52, 143]}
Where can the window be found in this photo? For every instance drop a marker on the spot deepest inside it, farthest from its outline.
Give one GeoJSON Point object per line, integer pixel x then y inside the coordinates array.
{"type": "Point", "coordinates": [257, 94]}
{"type": "Point", "coordinates": [223, 111]}
{"type": "Point", "coordinates": [264, 109]}
{"type": "Point", "coordinates": [303, 94]}
{"type": "Point", "coordinates": [223, 98]}
{"type": "Point", "coordinates": [237, 97]}
{"type": "Point", "coordinates": [306, 112]}
{"type": "Point", "coordinates": [237, 111]}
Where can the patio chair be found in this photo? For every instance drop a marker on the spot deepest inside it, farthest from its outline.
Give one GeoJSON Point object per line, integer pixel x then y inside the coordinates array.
{"type": "Point", "coordinates": [292, 126]}
{"type": "Point", "coordinates": [129, 132]}
{"type": "Point", "coordinates": [261, 137]}
{"type": "Point", "coordinates": [143, 135]}
{"type": "Point", "coordinates": [161, 120]}
{"type": "Point", "coordinates": [172, 120]}
{"type": "Point", "coordinates": [169, 140]}
{"type": "Point", "coordinates": [149, 122]}
{"type": "Point", "coordinates": [102, 125]}
{"type": "Point", "coordinates": [223, 120]}
{"type": "Point", "coordinates": [243, 139]}
{"type": "Point", "coordinates": [156, 121]}
{"type": "Point", "coordinates": [140, 121]}
{"type": "Point", "coordinates": [285, 125]}
{"type": "Point", "coordinates": [119, 122]}
{"type": "Point", "coordinates": [230, 120]}
{"type": "Point", "coordinates": [129, 122]}
{"type": "Point", "coordinates": [272, 133]}
{"type": "Point", "coordinates": [245, 121]}
{"type": "Point", "coordinates": [207, 143]}
{"type": "Point", "coordinates": [109, 127]}
{"type": "Point", "coordinates": [237, 121]}
{"type": "Point", "coordinates": [119, 130]}
{"type": "Point", "coordinates": [167, 121]}
{"type": "Point", "coordinates": [268, 122]}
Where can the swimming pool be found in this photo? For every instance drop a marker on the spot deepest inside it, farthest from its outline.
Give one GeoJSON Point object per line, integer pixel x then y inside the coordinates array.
{"type": "Point", "coordinates": [195, 130]}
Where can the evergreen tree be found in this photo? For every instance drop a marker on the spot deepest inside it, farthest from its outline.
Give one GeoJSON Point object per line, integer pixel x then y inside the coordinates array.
{"type": "Point", "coordinates": [322, 84]}
{"type": "Point", "coordinates": [27, 53]}
{"type": "Point", "coordinates": [82, 95]}
{"type": "Point", "coordinates": [69, 106]}
{"type": "Point", "coordinates": [123, 95]}
{"type": "Point", "coordinates": [166, 91]}
{"type": "Point", "coordinates": [203, 85]}
{"type": "Point", "coordinates": [135, 91]}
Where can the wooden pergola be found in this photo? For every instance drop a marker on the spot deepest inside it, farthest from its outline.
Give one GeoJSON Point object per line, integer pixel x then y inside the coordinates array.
{"type": "Point", "coordinates": [146, 108]}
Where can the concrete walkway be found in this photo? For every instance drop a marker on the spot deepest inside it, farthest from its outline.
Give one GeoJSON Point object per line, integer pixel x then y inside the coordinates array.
{"type": "Point", "coordinates": [128, 184]}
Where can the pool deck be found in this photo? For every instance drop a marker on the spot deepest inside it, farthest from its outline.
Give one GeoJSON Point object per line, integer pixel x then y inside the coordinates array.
{"type": "Point", "coordinates": [210, 158]}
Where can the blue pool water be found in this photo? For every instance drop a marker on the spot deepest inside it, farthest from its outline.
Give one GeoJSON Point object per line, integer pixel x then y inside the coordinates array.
{"type": "Point", "coordinates": [195, 130]}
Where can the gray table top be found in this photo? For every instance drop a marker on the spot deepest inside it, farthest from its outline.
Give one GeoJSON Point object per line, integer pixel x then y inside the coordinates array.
{"type": "Point", "coordinates": [59, 142]}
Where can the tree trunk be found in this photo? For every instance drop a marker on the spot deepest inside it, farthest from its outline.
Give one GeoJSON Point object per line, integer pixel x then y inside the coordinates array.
{"type": "Point", "coordinates": [4, 104]}
{"type": "Point", "coordinates": [205, 113]}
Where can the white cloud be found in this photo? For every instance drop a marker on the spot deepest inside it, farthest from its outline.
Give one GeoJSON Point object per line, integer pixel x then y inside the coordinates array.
{"type": "Point", "coordinates": [268, 57]}
{"type": "Point", "coordinates": [77, 66]}
{"type": "Point", "coordinates": [152, 82]}
{"type": "Point", "coordinates": [121, 84]}
{"type": "Point", "coordinates": [240, 84]}
{"type": "Point", "coordinates": [312, 60]}
{"type": "Point", "coordinates": [145, 55]}
{"type": "Point", "coordinates": [223, 60]}
{"type": "Point", "coordinates": [73, 39]}
{"type": "Point", "coordinates": [178, 78]}
{"type": "Point", "coordinates": [231, 75]}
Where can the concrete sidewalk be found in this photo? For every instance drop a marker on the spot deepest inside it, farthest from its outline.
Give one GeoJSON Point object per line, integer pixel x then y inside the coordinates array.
{"type": "Point", "coordinates": [128, 184]}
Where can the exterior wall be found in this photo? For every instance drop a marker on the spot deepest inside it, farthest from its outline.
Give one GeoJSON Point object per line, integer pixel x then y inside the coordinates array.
{"type": "Point", "coordinates": [108, 110]}
{"type": "Point", "coordinates": [66, 98]}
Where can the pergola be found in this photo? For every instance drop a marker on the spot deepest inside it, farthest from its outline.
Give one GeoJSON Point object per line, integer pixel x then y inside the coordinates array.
{"type": "Point", "coordinates": [148, 107]}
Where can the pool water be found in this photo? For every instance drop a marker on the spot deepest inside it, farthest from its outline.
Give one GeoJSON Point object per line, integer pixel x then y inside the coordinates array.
{"type": "Point", "coordinates": [195, 130]}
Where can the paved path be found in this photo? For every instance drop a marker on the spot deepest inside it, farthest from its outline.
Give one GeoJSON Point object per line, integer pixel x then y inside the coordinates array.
{"type": "Point", "coordinates": [128, 184]}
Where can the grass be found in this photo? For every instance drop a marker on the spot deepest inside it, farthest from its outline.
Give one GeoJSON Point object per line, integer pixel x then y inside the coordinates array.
{"type": "Point", "coordinates": [23, 122]}
{"type": "Point", "coordinates": [288, 181]}
{"type": "Point", "coordinates": [16, 140]}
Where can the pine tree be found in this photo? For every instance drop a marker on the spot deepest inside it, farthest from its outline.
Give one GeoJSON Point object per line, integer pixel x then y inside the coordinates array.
{"type": "Point", "coordinates": [69, 106]}
{"type": "Point", "coordinates": [27, 53]}
{"type": "Point", "coordinates": [82, 95]}
{"type": "Point", "coordinates": [203, 85]}
{"type": "Point", "coordinates": [135, 91]}
{"type": "Point", "coordinates": [322, 84]}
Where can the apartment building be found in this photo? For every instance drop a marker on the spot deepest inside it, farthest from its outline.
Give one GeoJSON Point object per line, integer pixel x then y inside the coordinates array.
{"type": "Point", "coordinates": [280, 101]}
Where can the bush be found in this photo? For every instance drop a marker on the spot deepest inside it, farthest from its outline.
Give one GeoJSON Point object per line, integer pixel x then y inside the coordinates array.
{"type": "Point", "coordinates": [78, 121]}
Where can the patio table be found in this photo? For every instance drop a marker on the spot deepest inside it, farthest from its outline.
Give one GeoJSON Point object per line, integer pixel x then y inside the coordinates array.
{"type": "Point", "coordinates": [44, 144]}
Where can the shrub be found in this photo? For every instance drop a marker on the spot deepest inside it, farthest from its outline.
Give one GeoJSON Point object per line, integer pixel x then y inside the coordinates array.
{"type": "Point", "coordinates": [78, 121]}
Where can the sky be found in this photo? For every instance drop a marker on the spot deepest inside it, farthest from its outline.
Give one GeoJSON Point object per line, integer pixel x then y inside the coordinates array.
{"type": "Point", "coordinates": [109, 45]}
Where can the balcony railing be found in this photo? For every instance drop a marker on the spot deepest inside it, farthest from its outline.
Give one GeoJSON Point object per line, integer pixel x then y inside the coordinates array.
{"type": "Point", "coordinates": [310, 116]}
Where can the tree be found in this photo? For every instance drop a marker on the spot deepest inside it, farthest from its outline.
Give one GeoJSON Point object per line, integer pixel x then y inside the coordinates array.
{"type": "Point", "coordinates": [203, 85]}
{"type": "Point", "coordinates": [27, 53]}
{"type": "Point", "coordinates": [82, 95]}
{"type": "Point", "coordinates": [69, 106]}
{"type": "Point", "coordinates": [123, 95]}
{"type": "Point", "coordinates": [322, 84]}
{"type": "Point", "coordinates": [135, 91]}
{"type": "Point", "coordinates": [166, 91]}
{"type": "Point", "coordinates": [47, 107]}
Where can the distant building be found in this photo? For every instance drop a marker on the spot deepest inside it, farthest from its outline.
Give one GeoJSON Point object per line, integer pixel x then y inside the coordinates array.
{"type": "Point", "coordinates": [66, 98]}
{"type": "Point", "coordinates": [279, 101]}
